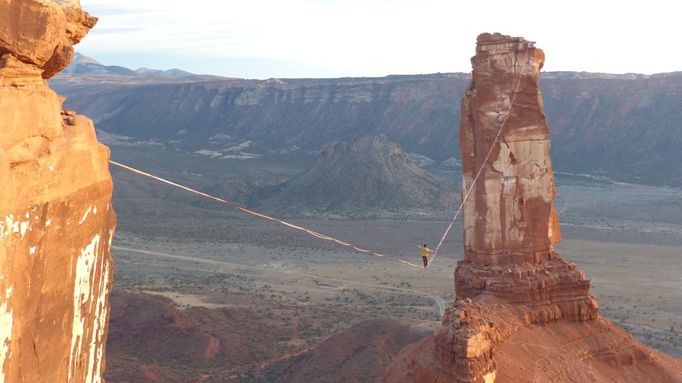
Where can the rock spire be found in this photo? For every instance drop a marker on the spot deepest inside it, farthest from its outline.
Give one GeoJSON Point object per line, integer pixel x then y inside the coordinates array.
{"type": "Point", "coordinates": [510, 223]}
{"type": "Point", "coordinates": [509, 217]}
{"type": "Point", "coordinates": [522, 313]}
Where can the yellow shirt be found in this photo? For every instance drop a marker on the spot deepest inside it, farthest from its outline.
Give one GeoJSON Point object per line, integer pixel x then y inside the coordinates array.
{"type": "Point", "coordinates": [425, 251]}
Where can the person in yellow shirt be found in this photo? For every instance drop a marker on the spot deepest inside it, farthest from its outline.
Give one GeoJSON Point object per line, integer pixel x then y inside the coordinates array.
{"type": "Point", "coordinates": [425, 254]}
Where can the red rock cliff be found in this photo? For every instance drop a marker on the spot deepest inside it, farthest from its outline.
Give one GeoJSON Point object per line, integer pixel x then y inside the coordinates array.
{"type": "Point", "coordinates": [510, 224]}
{"type": "Point", "coordinates": [509, 217]}
{"type": "Point", "coordinates": [56, 219]}
{"type": "Point", "coordinates": [522, 313]}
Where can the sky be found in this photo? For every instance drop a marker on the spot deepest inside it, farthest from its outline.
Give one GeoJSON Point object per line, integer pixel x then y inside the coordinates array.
{"type": "Point", "coordinates": [338, 38]}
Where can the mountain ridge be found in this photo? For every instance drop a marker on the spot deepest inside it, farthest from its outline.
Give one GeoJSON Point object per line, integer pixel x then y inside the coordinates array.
{"type": "Point", "coordinates": [82, 65]}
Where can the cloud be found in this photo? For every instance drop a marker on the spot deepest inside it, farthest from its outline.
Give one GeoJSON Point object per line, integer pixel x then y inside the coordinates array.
{"type": "Point", "coordinates": [379, 37]}
{"type": "Point", "coordinates": [102, 31]}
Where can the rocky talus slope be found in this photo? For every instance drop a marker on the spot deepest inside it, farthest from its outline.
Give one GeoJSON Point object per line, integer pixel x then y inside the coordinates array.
{"type": "Point", "coordinates": [522, 313]}
{"type": "Point", "coordinates": [370, 174]}
{"type": "Point", "coordinates": [357, 354]}
{"type": "Point", "coordinates": [56, 219]}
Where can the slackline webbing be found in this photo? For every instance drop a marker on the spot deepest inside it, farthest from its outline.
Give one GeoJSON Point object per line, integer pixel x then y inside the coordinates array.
{"type": "Point", "coordinates": [329, 238]}
{"type": "Point", "coordinates": [480, 170]}
{"type": "Point", "coordinates": [257, 214]}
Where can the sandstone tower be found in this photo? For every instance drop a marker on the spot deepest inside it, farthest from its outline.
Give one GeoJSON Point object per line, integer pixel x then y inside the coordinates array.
{"type": "Point", "coordinates": [522, 313]}
{"type": "Point", "coordinates": [56, 219]}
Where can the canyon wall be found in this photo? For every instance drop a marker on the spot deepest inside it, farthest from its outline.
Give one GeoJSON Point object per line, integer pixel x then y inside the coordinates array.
{"type": "Point", "coordinates": [522, 313]}
{"type": "Point", "coordinates": [621, 126]}
{"type": "Point", "coordinates": [56, 218]}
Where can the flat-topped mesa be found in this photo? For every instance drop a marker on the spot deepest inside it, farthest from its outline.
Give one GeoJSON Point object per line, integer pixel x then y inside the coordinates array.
{"type": "Point", "coordinates": [56, 218]}
{"type": "Point", "coordinates": [509, 217]}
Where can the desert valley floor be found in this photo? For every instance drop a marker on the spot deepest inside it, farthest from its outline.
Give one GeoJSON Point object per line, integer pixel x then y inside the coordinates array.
{"type": "Point", "coordinates": [208, 259]}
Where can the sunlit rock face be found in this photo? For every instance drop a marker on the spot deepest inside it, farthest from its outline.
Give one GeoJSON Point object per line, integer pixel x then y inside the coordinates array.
{"type": "Point", "coordinates": [510, 223]}
{"type": "Point", "coordinates": [56, 219]}
{"type": "Point", "coordinates": [509, 217]}
{"type": "Point", "coordinates": [522, 313]}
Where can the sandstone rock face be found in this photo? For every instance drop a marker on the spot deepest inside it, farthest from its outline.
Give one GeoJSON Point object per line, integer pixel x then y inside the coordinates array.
{"type": "Point", "coordinates": [522, 314]}
{"type": "Point", "coordinates": [42, 32]}
{"type": "Point", "coordinates": [509, 217]}
{"type": "Point", "coordinates": [510, 223]}
{"type": "Point", "coordinates": [56, 219]}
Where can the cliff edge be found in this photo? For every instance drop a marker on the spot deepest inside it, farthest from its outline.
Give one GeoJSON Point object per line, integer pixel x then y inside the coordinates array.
{"type": "Point", "coordinates": [522, 313]}
{"type": "Point", "coordinates": [56, 219]}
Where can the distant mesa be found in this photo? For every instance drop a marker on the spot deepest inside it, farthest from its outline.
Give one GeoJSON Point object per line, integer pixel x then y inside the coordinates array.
{"type": "Point", "coordinates": [85, 65]}
{"type": "Point", "coordinates": [625, 127]}
{"type": "Point", "coordinates": [364, 177]}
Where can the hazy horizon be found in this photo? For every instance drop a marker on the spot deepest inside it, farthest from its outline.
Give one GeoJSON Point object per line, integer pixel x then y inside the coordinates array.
{"type": "Point", "coordinates": [359, 76]}
{"type": "Point", "coordinates": [374, 38]}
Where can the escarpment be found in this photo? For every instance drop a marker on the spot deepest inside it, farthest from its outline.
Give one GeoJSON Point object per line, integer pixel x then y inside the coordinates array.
{"type": "Point", "coordinates": [522, 313]}
{"type": "Point", "coordinates": [56, 218]}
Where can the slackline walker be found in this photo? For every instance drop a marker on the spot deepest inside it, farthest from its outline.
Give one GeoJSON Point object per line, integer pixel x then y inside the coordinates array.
{"type": "Point", "coordinates": [257, 214]}
{"type": "Point", "coordinates": [425, 250]}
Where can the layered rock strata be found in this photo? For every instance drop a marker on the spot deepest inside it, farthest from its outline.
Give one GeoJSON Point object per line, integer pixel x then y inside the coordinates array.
{"type": "Point", "coordinates": [56, 219]}
{"type": "Point", "coordinates": [522, 313]}
{"type": "Point", "coordinates": [509, 217]}
{"type": "Point", "coordinates": [510, 223]}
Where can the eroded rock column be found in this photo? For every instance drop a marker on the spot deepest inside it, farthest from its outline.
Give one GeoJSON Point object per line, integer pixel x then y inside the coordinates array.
{"type": "Point", "coordinates": [511, 276]}
{"type": "Point", "coordinates": [510, 223]}
{"type": "Point", "coordinates": [56, 219]}
{"type": "Point", "coordinates": [509, 217]}
{"type": "Point", "coordinates": [520, 308]}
